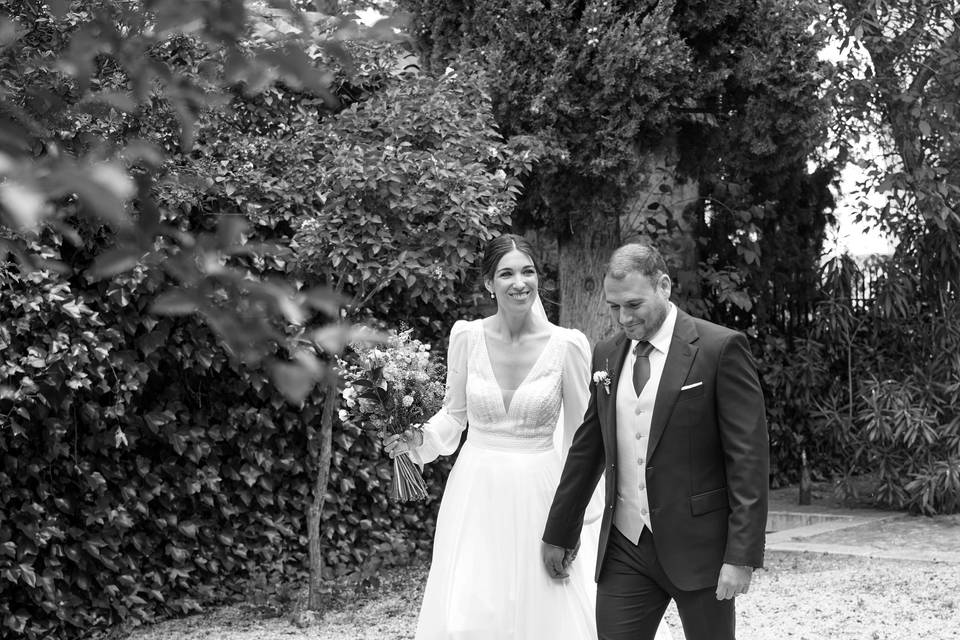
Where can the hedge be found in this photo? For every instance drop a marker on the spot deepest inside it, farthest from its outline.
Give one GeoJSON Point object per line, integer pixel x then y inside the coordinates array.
{"type": "Point", "coordinates": [145, 474]}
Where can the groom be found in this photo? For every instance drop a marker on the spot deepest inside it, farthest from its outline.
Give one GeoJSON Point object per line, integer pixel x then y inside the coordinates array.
{"type": "Point", "coordinates": [676, 420]}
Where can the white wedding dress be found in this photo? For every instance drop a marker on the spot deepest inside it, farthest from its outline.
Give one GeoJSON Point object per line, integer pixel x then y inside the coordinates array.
{"type": "Point", "coordinates": [487, 581]}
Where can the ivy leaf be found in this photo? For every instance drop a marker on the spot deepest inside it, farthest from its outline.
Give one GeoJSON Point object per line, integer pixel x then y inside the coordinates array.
{"type": "Point", "coordinates": [123, 520]}
{"type": "Point", "coordinates": [250, 474]}
{"type": "Point", "coordinates": [179, 556]}
{"type": "Point", "coordinates": [152, 341]}
{"type": "Point", "coordinates": [16, 621]}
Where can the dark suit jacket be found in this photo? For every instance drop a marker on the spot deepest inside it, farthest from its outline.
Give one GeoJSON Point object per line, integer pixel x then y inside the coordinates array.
{"type": "Point", "coordinates": [707, 457]}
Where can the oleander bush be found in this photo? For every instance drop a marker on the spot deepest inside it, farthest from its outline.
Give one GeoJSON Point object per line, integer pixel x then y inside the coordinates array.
{"type": "Point", "coordinates": [891, 404]}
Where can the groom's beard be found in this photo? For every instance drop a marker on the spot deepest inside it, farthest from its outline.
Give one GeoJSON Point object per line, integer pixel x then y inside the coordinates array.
{"type": "Point", "coordinates": [645, 330]}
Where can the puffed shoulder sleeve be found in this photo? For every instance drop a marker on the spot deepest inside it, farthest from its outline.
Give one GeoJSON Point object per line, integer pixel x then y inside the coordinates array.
{"type": "Point", "coordinates": [576, 386]}
{"type": "Point", "coordinates": [441, 433]}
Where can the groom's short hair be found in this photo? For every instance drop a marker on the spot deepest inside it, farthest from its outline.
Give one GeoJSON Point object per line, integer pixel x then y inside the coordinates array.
{"type": "Point", "coordinates": [636, 258]}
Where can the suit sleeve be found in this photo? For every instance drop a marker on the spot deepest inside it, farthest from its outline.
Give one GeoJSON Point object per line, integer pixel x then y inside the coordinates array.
{"type": "Point", "coordinates": [581, 472]}
{"type": "Point", "coordinates": [441, 433]}
{"type": "Point", "coordinates": [746, 449]}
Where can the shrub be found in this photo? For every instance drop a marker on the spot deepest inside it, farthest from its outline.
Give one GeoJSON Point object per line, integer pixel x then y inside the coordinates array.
{"type": "Point", "coordinates": [891, 407]}
{"type": "Point", "coordinates": [147, 467]}
{"type": "Point", "coordinates": [145, 473]}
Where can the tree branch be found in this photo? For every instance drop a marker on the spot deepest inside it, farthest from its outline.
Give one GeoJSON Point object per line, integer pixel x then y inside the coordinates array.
{"type": "Point", "coordinates": [903, 41]}
{"type": "Point", "coordinates": [929, 67]}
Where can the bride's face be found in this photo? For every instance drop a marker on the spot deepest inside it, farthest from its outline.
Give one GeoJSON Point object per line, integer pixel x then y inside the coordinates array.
{"type": "Point", "coordinates": [514, 282]}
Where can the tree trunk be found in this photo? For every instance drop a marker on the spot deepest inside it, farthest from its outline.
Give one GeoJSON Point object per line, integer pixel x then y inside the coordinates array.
{"type": "Point", "coordinates": [663, 211]}
{"type": "Point", "coordinates": [583, 259]}
{"type": "Point", "coordinates": [315, 511]}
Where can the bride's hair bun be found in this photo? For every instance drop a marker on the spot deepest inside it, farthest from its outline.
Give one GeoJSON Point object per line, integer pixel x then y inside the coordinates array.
{"type": "Point", "coordinates": [501, 246]}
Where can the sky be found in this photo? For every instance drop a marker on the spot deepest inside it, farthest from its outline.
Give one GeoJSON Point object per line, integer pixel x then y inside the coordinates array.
{"type": "Point", "coordinates": [858, 239]}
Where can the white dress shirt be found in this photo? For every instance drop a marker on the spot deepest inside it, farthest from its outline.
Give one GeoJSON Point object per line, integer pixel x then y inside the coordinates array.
{"type": "Point", "coordinates": [633, 433]}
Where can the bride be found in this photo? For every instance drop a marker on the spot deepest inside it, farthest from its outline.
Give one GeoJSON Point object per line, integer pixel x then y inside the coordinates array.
{"type": "Point", "coordinates": [508, 376]}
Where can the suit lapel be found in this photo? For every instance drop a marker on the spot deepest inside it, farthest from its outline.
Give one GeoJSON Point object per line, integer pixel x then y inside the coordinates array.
{"type": "Point", "coordinates": [614, 366]}
{"type": "Point", "coordinates": [679, 360]}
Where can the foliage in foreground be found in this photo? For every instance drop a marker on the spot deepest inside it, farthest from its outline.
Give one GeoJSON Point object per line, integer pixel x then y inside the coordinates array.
{"type": "Point", "coordinates": [147, 467]}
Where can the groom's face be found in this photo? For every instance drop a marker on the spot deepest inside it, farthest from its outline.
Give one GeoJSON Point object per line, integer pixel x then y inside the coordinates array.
{"type": "Point", "coordinates": [637, 303]}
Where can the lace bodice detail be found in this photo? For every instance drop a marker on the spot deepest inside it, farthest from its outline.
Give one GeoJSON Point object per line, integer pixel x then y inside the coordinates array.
{"type": "Point", "coordinates": [531, 417]}
{"type": "Point", "coordinates": [558, 378]}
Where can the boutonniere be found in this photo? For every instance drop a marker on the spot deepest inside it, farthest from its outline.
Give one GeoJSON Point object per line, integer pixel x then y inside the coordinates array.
{"type": "Point", "coordinates": [602, 377]}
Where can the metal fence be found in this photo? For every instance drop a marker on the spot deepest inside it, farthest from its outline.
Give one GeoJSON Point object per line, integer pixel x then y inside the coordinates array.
{"type": "Point", "coordinates": [795, 313]}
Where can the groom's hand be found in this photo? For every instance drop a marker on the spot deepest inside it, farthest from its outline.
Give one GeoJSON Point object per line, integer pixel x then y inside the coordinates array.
{"type": "Point", "coordinates": [569, 555]}
{"type": "Point", "coordinates": [734, 580]}
{"type": "Point", "coordinates": [553, 560]}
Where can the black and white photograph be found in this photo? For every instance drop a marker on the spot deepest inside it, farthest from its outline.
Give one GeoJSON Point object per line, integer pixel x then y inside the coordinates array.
{"type": "Point", "coordinates": [479, 320]}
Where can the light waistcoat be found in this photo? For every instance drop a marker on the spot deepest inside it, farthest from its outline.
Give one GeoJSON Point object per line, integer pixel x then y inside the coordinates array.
{"type": "Point", "coordinates": [633, 433]}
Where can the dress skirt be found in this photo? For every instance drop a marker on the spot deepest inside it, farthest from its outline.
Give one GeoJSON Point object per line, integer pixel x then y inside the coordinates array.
{"type": "Point", "coordinates": [487, 580]}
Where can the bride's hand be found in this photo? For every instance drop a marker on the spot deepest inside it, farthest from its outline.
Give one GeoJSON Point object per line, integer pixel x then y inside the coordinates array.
{"type": "Point", "coordinates": [398, 443]}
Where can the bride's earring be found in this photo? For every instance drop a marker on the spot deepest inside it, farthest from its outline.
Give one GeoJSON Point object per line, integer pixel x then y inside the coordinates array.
{"type": "Point", "coordinates": [492, 296]}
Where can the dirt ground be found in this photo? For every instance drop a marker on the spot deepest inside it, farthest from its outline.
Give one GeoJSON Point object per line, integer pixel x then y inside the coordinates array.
{"type": "Point", "coordinates": [797, 596]}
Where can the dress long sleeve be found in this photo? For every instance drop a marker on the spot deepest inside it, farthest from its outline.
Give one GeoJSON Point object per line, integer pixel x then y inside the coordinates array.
{"type": "Point", "coordinates": [486, 575]}
{"type": "Point", "coordinates": [441, 433]}
{"type": "Point", "coordinates": [576, 396]}
{"type": "Point", "coordinates": [576, 387]}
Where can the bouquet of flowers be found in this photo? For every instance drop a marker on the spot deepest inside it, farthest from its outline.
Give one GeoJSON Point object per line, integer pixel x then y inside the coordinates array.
{"type": "Point", "coordinates": [392, 387]}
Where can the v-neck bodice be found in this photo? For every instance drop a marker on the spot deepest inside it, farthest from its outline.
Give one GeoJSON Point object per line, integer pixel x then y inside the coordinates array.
{"type": "Point", "coordinates": [557, 382]}
{"type": "Point", "coordinates": [488, 357]}
{"type": "Point", "coordinates": [528, 420]}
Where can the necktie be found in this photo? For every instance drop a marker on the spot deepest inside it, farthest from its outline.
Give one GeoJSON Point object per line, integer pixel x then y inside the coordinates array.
{"type": "Point", "coordinates": [641, 366]}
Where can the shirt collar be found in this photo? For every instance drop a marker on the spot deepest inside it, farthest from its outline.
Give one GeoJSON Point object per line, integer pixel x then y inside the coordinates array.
{"type": "Point", "coordinates": [664, 335]}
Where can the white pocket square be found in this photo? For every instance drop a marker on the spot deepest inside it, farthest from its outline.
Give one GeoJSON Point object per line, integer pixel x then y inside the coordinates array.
{"type": "Point", "coordinates": [691, 386]}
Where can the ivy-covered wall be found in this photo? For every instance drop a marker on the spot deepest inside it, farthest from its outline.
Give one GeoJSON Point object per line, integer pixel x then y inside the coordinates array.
{"type": "Point", "coordinates": [144, 473]}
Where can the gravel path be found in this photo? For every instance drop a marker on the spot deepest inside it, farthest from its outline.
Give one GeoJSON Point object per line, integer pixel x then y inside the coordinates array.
{"type": "Point", "coordinates": [916, 533]}
{"type": "Point", "coordinates": [797, 596]}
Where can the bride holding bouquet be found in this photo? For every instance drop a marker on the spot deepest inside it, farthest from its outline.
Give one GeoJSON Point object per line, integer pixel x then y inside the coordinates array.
{"type": "Point", "coordinates": [509, 376]}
